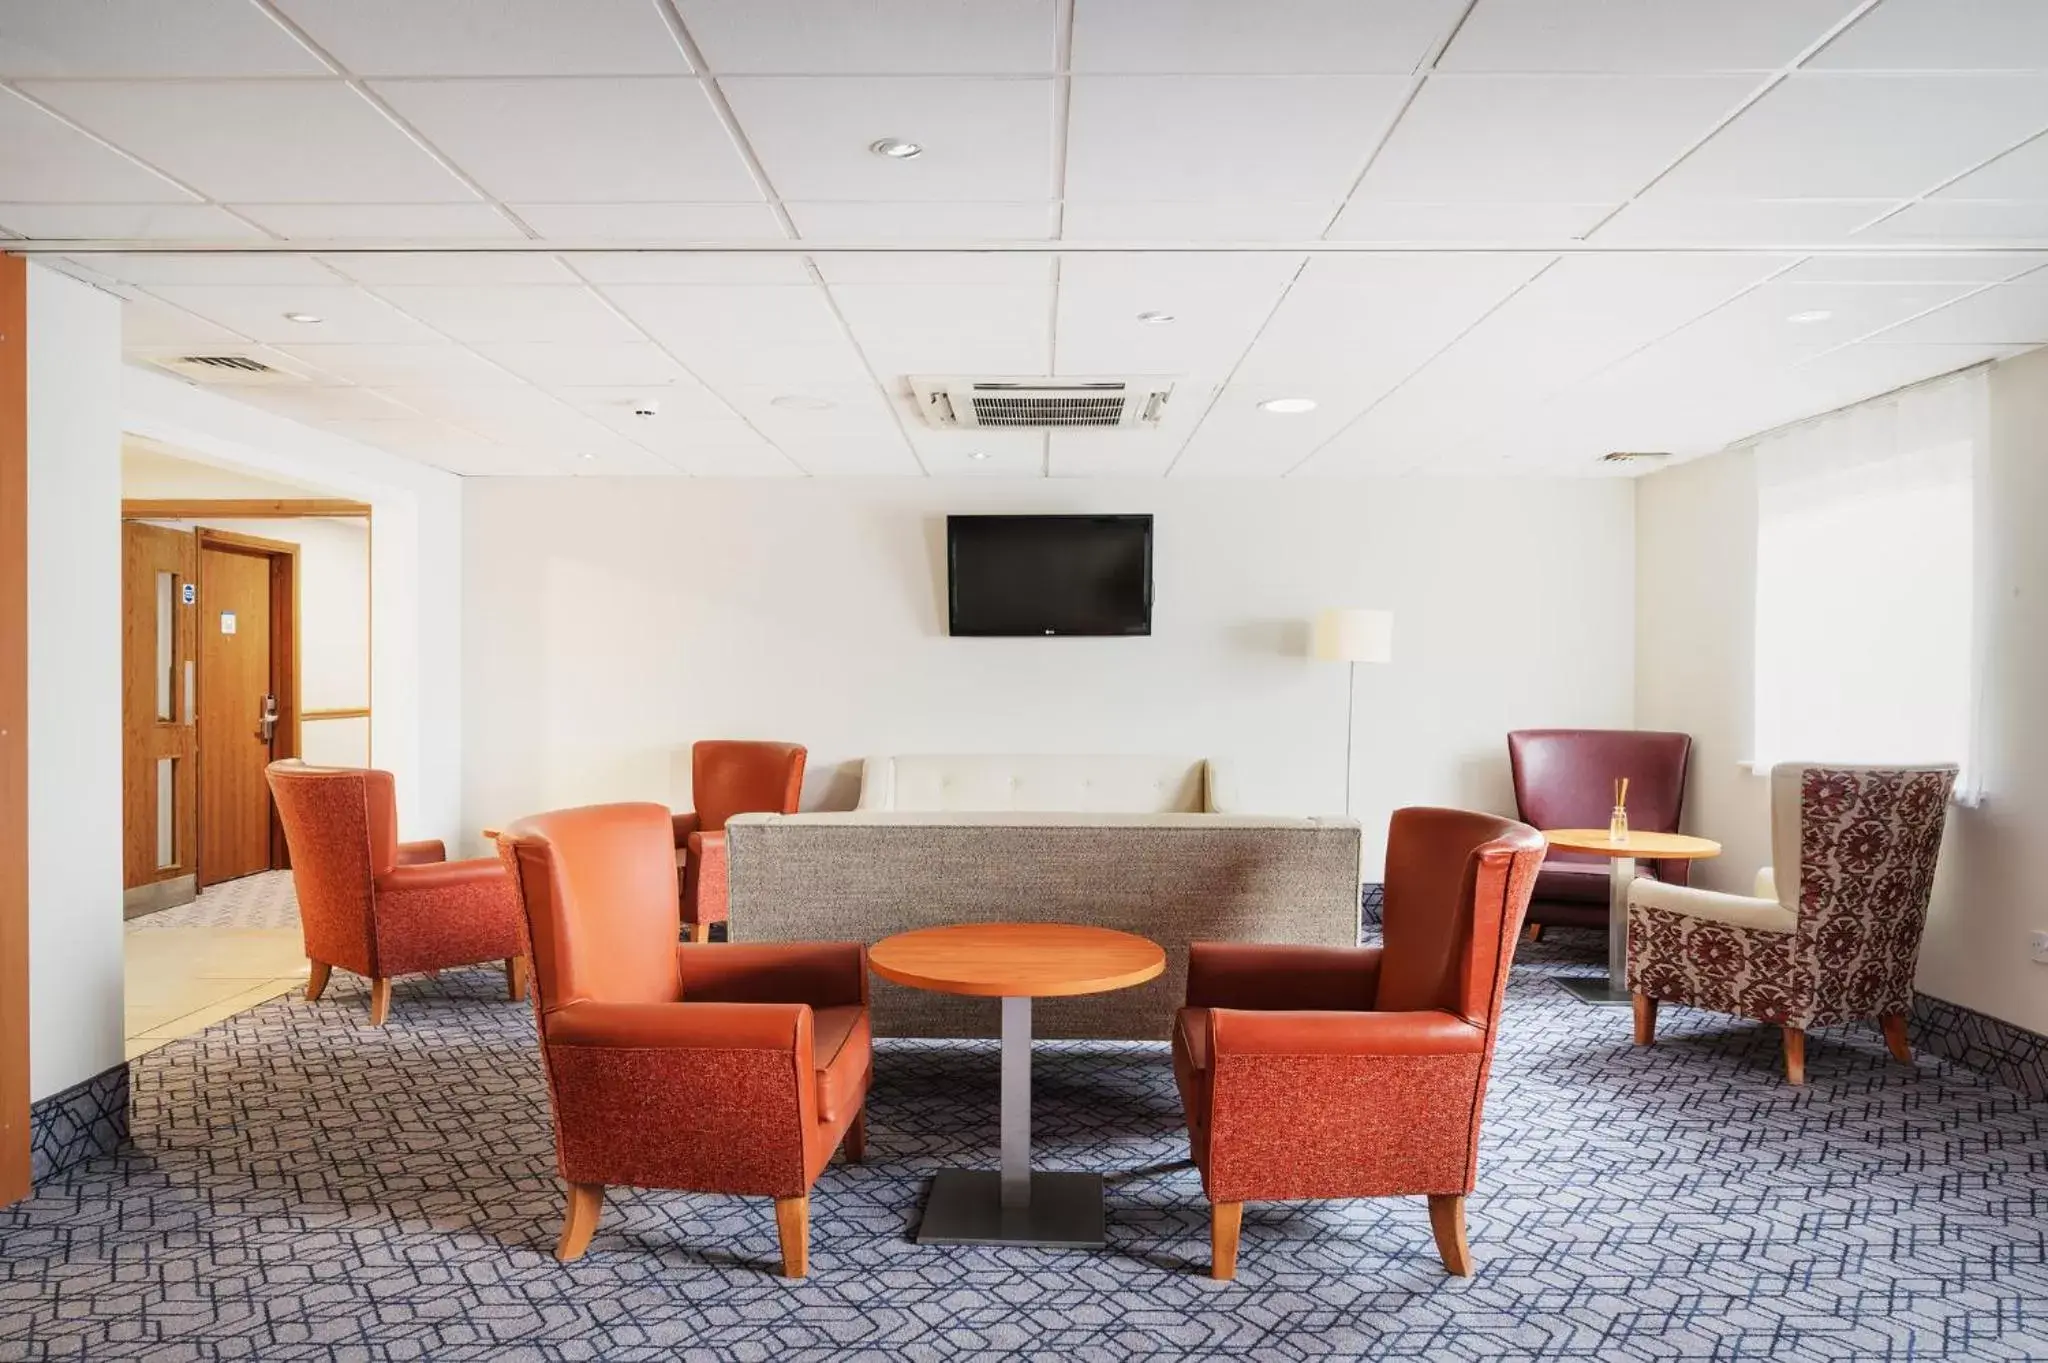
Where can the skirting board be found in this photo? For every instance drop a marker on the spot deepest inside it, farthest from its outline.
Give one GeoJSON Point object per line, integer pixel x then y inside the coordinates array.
{"type": "Point", "coordinates": [2010, 1054]}
{"type": "Point", "coordinates": [83, 1122]}
{"type": "Point", "coordinates": [160, 895]}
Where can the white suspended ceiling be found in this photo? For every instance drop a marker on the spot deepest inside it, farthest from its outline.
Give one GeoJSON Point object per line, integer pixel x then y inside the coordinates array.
{"type": "Point", "coordinates": [1701, 218]}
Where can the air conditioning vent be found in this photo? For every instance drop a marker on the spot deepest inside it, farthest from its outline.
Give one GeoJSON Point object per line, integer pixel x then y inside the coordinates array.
{"type": "Point", "coordinates": [1634, 456]}
{"type": "Point", "coordinates": [240, 371]}
{"type": "Point", "coordinates": [960, 404]}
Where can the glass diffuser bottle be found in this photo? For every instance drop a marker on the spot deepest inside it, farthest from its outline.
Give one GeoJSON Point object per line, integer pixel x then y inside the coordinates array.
{"type": "Point", "coordinates": [1617, 822]}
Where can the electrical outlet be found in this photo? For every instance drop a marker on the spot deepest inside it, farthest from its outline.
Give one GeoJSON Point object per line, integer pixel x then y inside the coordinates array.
{"type": "Point", "coordinates": [2040, 940]}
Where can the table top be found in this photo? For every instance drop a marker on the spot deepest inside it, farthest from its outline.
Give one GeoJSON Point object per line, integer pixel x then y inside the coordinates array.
{"type": "Point", "coordinates": [1657, 846]}
{"type": "Point", "coordinates": [1013, 960]}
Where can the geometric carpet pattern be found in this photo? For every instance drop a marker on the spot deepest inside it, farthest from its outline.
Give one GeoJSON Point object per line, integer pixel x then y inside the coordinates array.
{"type": "Point", "coordinates": [304, 1186]}
{"type": "Point", "coordinates": [263, 900]}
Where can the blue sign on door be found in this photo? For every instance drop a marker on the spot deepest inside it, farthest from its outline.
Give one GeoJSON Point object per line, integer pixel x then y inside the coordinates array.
{"type": "Point", "coordinates": [191, 593]}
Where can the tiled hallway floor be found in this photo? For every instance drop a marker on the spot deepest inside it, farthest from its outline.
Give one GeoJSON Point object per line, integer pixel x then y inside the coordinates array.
{"type": "Point", "coordinates": [190, 967]}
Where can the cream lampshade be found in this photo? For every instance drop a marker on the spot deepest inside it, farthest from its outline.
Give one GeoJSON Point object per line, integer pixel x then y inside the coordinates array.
{"type": "Point", "coordinates": [1353, 636]}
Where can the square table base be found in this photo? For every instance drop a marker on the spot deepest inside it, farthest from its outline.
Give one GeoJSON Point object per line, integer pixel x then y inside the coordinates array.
{"type": "Point", "coordinates": [965, 1207]}
{"type": "Point", "coordinates": [1596, 990]}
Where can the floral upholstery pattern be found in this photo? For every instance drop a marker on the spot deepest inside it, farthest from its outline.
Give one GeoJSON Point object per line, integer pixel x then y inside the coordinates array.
{"type": "Point", "coordinates": [1867, 841]}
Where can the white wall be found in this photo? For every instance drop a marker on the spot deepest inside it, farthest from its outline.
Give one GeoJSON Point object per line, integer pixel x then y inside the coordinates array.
{"type": "Point", "coordinates": [74, 681]}
{"type": "Point", "coordinates": [1696, 528]}
{"type": "Point", "coordinates": [607, 624]}
{"type": "Point", "coordinates": [416, 566]}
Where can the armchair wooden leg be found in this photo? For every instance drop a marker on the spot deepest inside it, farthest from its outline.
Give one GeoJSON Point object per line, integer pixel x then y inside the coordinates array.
{"type": "Point", "coordinates": [515, 977]}
{"type": "Point", "coordinates": [1535, 933]}
{"type": "Point", "coordinates": [1646, 1019]}
{"type": "Point", "coordinates": [856, 1143]}
{"type": "Point", "coordinates": [316, 979]}
{"type": "Point", "coordinates": [1795, 1056]}
{"type": "Point", "coordinates": [380, 1001]}
{"type": "Point", "coordinates": [1894, 1025]}
{"type": "Point", "coordinates": [700, 932]}
{"type": "Point", "coordinates": [1447, 1221]}
{"type": "Point", "coordinates": [793, 1225]}
{"type": "Point", "coordinates": [1225, 1220]}
{"type": "Point", "coordinates": [579, 1220]}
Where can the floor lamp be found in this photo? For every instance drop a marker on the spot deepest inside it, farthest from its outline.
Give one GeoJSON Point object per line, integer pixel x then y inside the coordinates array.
{"type": "Point", "coordinates": [1354, 637]}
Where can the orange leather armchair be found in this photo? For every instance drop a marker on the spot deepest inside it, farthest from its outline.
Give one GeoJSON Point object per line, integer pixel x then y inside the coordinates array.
{"type": "Point", "coordinates": [728, 777]}
{"type": "Point", "coordinates": [716, 1069]}
{"type": "Point", "coordinates": [1318, 1072]}
{"type": "Point", "coordinates": [380, 907]}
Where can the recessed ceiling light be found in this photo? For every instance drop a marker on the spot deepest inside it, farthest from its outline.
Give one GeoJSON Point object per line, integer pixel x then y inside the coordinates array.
{"type": "Point", "coordinates": [796, 402]}
{"type": "Point", "coordinates": [306, 317]}
{"type": "Point", "coordinates": [1810, 315]}
{"type": "Point", "coordinates": [895, 148]}
{"type": "Point", "coordinates": [1156, 319]}
{"type": "Point", "coordinates": [1288, 406]}
{"type": "Point", "coordinates": [586, 456]}
{"type": "Point", "coordinates": [977, 454]}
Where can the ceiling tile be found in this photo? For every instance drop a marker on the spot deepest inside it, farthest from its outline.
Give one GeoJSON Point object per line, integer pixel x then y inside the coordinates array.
{"type": "Point", "coordinates": [143, 38]}
{"type": "Point", "coordinates": [258, 311]}
{"type": "Point", "coordinates": [1290, 37]}
{"type": "Point", "coordinates": [683, 404]}
{"type": "Point", "coordinates": [745, 333]}
{"type": "Point", "coordinates": [882, 37]}
{"type": "Point", "coordinates": [565, 314]}
{"type": "Point", "coordinates": [147, 324]}
{"type": "Point", "coordinates": [1369, 220]}
{"type": "Point", "coordinates": [504, 38]}
{"type": "Point", "coordinates": [437, 443]}
{"type": "Point", "coordinates": [678, 267]}
{"type": "Point", "coordinates": [316, 404]}
{"type": "Point", "coordinates": [2006, 314]}
{"type": "Point", "coordinates": [1210, 220]}
{"type": "Point", "coordinates": [1661, 216]}
{"type": "Point", "coordinates": [984, 139]}
{"type": "Point", "coordinates": [208, 268]}
{"type": "Point", "coordinates": [908, 329]}
{"type": "Point", "coordinates": [1863, 136]}
{"type": "Point", "coordinates": [1236, 439]}
{"type": "Point", "coordinates": [1647, 36]}
{"type": "Point", "coordinates": [1794, 319]}
{"type": "Point", "coordinates": [923, 221]}
{"type": "Point", "coordinates": [44, 159]}
{"type": "Point", "coordinates": [1217, 305]}
{"type": "Point", "coordinates": [125, 222]}
{"type": "Point", "coordinates": [443, 365]}
{"type": "Point", "coordinates": [651, 222]}
{"type": "Point", "coordinates": [581, 140]}
{"type": "Point", "coordinates": [934, 267]}
{"type": "Point", "coordinates": [1224, 137]}
{"type": "Point", "coordinates": [555, 365]}
{"type": "Point", "coordinates": [1959, 220]}
{"type": "Point", "coordinates": [260, 141]}
{"type": "Point", "coordinates": [449, 267]}
{"type": "Point", "coordinates": [976, 454]}
{"type": "Point", "coordinates": [1497, 139]}
{"type": "Point", "coordinates": [1943, 35]}
{"type": "Point", "coordinates": [386, 222]}
{"type": "Point", "coordinates": [1976, 267]}
{"type": "Point", "coordinates": [2021, 173]}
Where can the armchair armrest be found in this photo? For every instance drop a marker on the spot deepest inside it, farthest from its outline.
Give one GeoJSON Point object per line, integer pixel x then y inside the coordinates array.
{"type": "Point", "coordinates": [686, 824]}
{"type": "Point", "coordinates": [421, 853]}
{"type": "Point", "coordinates": [1238, 1032]}
{"type": "Point", "coordinates": [1766, 886]}
{"type": "Point", "coordinates": [427, 877]}
{"type": "Point", "coordinates": [704, 879]}
{"type": "Point", "coordinates": [1739, 910]}
{"type": "Point", "coordinates": [780, 1027]}
{"type": "Point", "coordinates": [821, 974]}
{"type": "Point", "coordinates": [1268, 976]}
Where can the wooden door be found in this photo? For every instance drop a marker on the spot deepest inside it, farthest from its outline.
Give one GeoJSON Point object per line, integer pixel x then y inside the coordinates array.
{"type": "Point", "coordinates": [159, 585]}
{"type": "Point", "coordinates": [236, 692]}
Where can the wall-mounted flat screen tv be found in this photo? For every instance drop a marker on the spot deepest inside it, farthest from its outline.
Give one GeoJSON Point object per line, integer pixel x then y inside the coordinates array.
{"type": "Point", "coordinates": [1049, 575]}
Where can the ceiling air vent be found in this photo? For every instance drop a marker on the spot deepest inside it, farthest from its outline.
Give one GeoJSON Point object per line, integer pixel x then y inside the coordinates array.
{"type": "Point", "coordinates": [1634, 456]}
{"type": "Point", "coordinates": [241, 371]}
{"type": "Point", "coordinates": [955, 404]}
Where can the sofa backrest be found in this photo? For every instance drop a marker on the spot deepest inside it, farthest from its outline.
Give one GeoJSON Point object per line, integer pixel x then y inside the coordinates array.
{"type": "Point", "coordinates": [1038, 784]}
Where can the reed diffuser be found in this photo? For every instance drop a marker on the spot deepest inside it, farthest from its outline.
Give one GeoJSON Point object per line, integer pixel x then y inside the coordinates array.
{"type": "Point", "coordinates": [1617, 822]}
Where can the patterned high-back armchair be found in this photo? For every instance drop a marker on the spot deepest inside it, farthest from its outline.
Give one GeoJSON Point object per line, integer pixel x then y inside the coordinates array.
{"type": "Point", "coordinates": [1832, 932]}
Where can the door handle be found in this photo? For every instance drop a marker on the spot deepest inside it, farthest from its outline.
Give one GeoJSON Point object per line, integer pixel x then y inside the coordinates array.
{"type": "Point", "coordinates": [268, 731]}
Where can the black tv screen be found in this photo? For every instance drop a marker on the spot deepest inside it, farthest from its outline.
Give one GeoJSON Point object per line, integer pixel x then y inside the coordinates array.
{"type": "Point", "coordinates": [1019, 575]}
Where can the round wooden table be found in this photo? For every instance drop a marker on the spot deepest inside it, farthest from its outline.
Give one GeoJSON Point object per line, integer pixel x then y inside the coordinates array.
{"type": "Point", "coordinates": [1621, 873]}
{"type": "Point", "coordinates": [1015, 962]}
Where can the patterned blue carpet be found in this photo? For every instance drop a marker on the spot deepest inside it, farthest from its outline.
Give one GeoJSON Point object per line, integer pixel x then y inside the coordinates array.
{"type": "Point", "coordinates": [305, 1187]}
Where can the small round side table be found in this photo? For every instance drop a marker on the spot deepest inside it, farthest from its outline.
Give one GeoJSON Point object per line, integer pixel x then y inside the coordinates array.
{"type": "Point", "coordinates": [1621, 873]}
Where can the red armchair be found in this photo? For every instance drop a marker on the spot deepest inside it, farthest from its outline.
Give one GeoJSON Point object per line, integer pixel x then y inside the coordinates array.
{"type": "Point", "coordinates": [728, 777]}
{"type": "Point", "coordinates": [380, 907]}
{"type": "Point", "coordinates": [718, 1069]}
{"type": "Point", "coordinates": [1319, 1072]}
{"type": "Point", "coordinates": [1564, 778]}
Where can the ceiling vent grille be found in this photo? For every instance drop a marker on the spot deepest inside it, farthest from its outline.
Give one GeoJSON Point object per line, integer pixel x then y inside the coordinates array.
{"type": "Point", "coordinates": [1634, 456]}
{"type": "Point", "coordinates": [962, 404]}
{"type": "Point", "coordinates": [241, 371]}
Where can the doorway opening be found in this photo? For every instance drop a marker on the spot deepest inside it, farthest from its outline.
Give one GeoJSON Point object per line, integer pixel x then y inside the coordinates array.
{"type": "Point", "coordinates": [246, 641]}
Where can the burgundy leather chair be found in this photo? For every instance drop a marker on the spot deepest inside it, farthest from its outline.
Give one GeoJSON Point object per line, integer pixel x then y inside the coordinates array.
{"type": "Point", "coordinates": [1564, 778]}
{"type": "Point", "coordinates": [728, 777]}
{"type": "Point", "coordinates": [1321, 1072]}
{"type": "Point", "coordinates": [711, 1069]}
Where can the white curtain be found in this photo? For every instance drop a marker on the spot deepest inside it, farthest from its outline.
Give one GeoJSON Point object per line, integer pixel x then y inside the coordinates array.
{"type": "Point", "coordinates": [1867, 639]}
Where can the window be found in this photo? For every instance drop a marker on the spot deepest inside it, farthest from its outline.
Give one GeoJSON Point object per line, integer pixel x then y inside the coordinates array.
{"type": "Point", "coordinates": [1865, 639]}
